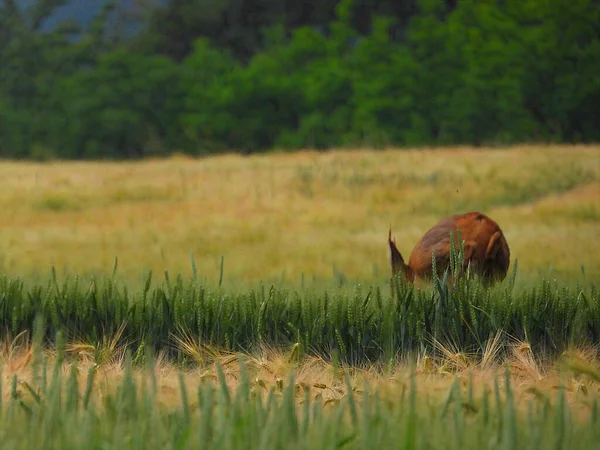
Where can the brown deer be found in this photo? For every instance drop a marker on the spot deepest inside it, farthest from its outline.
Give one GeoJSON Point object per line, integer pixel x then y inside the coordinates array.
{"type": "Point", "coordinates": [485, 248]}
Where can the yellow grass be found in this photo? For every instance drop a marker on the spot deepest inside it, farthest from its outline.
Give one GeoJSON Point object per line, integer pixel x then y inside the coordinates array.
{"type": "Point", "coordinates": [281, 216]}
{"type": "Point", "coordinates": [577, 372]}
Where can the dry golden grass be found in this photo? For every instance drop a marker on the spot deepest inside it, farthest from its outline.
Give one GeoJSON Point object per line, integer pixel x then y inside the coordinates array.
{"type": "Point", "coordinates": [576, 371]}
{"type": "Point", "coordinates": [280, 216]}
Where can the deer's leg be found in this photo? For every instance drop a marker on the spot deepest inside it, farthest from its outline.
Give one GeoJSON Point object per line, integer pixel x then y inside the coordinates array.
{"type": "Point", "coordinates": [493, 246]}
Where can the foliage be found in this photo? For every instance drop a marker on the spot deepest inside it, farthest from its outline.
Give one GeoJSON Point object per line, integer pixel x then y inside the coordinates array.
{"type": "Point", "coordinates": [136, 99]}
{"type": "Point", "coordinates": [479, 73]}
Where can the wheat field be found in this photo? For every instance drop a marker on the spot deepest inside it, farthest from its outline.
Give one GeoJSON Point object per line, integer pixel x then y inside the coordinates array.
{"type": "Point", "coordinates": [182, 363]}
{"type": "Point", "coordinates": [304, 216]}
{"type": "Point", "coordinates": [273, 400]}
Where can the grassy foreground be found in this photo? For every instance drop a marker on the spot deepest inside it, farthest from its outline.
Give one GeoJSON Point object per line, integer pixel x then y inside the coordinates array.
{"type": "Point", "coordinates": [267, 400]}
{"type": "Point", "coordinates": [292, 217]}
{"type": "Point", "coordinates": [152, 369]}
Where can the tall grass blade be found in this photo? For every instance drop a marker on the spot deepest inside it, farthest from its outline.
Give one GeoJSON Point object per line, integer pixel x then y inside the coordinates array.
{"type": "Point", "coordinates": [221, 271]}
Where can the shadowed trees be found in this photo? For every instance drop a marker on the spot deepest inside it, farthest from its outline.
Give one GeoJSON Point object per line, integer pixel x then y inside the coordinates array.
{"type": "Point", "coordinates": [150, 77]}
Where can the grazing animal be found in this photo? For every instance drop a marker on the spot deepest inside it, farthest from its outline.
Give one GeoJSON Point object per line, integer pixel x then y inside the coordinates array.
{"type": "Point", "coordinates": [485, 249]}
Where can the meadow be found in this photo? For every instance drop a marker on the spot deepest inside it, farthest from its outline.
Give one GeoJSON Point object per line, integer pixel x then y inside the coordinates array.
{"type": "Point", "coordinates": [235, 302]}
{"type": "Point", "coordinates": [286, 218]}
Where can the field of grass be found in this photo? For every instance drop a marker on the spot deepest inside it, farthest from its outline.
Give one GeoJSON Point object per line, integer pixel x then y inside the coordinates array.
{"type": "Point", "coordinates": [366, 324]}
{"type": "Point", "coordinates": [292, 217]}
{"type": "Point", "coordinates": [273, 400]}
{"type": "Point", "coordinates": [251, 305]}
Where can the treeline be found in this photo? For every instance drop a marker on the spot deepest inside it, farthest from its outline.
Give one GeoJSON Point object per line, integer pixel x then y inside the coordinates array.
{"type": "Point", "coordinates": [201, 77]}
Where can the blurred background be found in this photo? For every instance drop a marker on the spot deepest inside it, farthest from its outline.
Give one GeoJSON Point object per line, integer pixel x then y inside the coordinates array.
{"type": "Point", "coordinates": [105, 107]}
{"type": "Point", "coordinates": [131, 78]}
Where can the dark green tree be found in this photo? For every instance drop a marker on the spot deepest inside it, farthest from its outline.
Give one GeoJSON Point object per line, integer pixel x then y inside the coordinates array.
{"type": "Point", "coordinates": [24, 62]}
{"type": "Point", "coordinates": [32, 64]}
{"type": "Point", "coordinates": [126, 106]}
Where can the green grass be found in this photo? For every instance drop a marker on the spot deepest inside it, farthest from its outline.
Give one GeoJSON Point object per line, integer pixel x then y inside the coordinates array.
{"type": "Point", "coordinates": [361, 323]}
{"type": "Point", "coordinates": [115, 401]}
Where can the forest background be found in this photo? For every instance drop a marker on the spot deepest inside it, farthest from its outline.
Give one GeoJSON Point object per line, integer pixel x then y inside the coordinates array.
{"type": "Point", "coordinates": [130, 79]}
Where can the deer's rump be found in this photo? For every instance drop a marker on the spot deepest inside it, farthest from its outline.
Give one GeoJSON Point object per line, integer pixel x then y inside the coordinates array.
{"type": "Point", "coordinates": [485, 248]}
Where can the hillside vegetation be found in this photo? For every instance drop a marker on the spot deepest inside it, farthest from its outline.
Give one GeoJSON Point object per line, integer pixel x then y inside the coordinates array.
{"type": "Point", "coordinates": [256, 75]}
